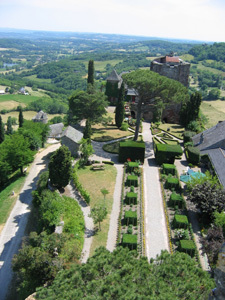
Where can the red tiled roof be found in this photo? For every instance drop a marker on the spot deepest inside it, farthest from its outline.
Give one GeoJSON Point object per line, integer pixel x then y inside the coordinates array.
{"type": "Point", "coordinates": [172, 59]}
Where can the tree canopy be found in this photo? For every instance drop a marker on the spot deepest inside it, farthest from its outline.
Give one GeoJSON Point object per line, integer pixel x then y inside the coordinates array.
{"type": "Point", "coordinates": [154, 88]}
{"type": "Point", "coordinates": [121, 275]}
{"type": "Point", "coordinates": [87, 106]}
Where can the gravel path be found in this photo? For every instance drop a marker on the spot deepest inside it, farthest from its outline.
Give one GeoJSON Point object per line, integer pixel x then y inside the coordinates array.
{"type": "Point", "coordinates": [156, 237]}
{"type": "Point", "coordinates": [13, 231]}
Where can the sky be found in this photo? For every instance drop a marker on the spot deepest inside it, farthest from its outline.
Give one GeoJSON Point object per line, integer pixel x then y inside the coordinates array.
{"type": "Point", "coordinates": [202, 20]}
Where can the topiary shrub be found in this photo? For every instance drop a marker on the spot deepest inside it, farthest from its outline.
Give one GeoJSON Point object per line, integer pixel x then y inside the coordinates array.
{"type": "Point", "coordinates": [167, 153]}
{"type": "Point", "coordinates": [130, 241]}
{"type": "Point", "coordinates": [131, 150]}
{"type": "Point", "coordinates": [130, 217]}
{"type": "Point", "coordinates": [131, 198]}
{"type": "Point", "coordinates": [124, 127]}
{"type": "Point", "coordinates": [176, 200]}
{"type": "Point", "coordinates": [180, 221]}
{"type": "Point", "coordinates": [169, 169]}
{"type": "Point", "coordinates": [132, 180]}
{"type": "Point", "coordinates": [172, 183]}
{"type": "Point", "coordinates": [187, 246]}
{"type": "Point", "coordinates": [193, 155]}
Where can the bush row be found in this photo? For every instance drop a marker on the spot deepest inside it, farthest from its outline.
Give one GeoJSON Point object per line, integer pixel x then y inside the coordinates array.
{"type": "Point", "coordinates": [82, 191]}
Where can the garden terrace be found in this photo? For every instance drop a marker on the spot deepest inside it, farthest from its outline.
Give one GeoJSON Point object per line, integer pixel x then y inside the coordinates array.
{"type": "Point", "coordinates": [130, 232]}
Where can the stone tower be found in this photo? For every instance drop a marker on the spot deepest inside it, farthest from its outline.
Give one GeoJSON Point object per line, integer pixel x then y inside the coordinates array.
{"type": "Point", "coordinates": [172, 67]}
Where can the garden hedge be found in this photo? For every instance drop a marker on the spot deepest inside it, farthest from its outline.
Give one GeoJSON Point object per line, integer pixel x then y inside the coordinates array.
{"type": "Point", "coordinates": [131, 198]}
{"type": "Point", "coordinates": [180, 221]}
{"type": "Point", "coordinates": [130, 217]}
{"type": "Point", "coordinates": [176, 199]}
{"type": "Point", "coordinates": [167, 153]}
{"type": "Point", "coordinates": [132, 180]}
{"type": "Point", "coordinates": [172, 183]}
{"type": "Point", "coordinates": [169, 169]}
{"type": "Point", "coordinates": [130, 241]}
{"type": "Point", "coordinates": [188, 135]}
{"type": "Point", "coordinates": [131, 150]}
{"type": "Point", "coordinates": [187, 246]}
{"type": "Point", "coordinates": [131, 165]}
{"type": "Point", "coordinates": [193, 155]}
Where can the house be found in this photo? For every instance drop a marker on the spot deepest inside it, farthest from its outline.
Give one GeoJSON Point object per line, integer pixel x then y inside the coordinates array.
{"type": "Point", "coordinates": [172, 67]}
{"type": "Point", "coordinates": [40, 117]}
{"type": "Point", "coordinates": [212, 143]}
{"type": "Point", "coordinates": [56, 130]}
{"type": "Point", "coordinates": [71, 138]}
{"type": "Point", "coordinates": [113, 84]}
{"type": "Point", "coordinates": [2, 92]}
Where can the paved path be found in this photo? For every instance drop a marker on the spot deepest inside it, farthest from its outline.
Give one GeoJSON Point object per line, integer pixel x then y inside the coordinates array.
{"type": "Point", "coordinates": [156, 236]}
{"type": "Point", "coordinates": [13, 231]}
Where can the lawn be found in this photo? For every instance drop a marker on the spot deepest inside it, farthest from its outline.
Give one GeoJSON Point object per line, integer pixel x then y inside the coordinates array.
{"type": "Point", "coordinates": [93, 182]}
{"type": "Point", "coordinates": [103, 133]}
{"type": "Point", "coordinates": [214, 111]}
{"type": "Point", "coordinates": [175, 129]}
{"type": "Point", "coordinates": [7, 200]}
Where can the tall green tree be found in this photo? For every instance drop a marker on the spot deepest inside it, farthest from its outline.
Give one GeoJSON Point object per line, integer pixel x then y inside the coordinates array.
{"type": "Point", "coordinates": [9, 126]}
{"type": "Point", "coordinates": [18, 153]}
{"type": "Point", "coordinates": [86, 150]}
{"type": "Point", "coordinates": [87, 106]}
{"type": "Point", "coordinates": [87, 130]}
{"type": "Point", "coordinates": [120, 110]}
{"type": "Point", "coordinates": [90, 79]}
{"type": "Point", "coordinates": [152, 87]}
{"type": "Point", "coordinates": [60, 168]}
{"type": "Point", "coordinates": [21, 120]}
{"type": "Point", "coordinates": [2, 131]}
{"type": "Point", "coordinates": [190, 109]}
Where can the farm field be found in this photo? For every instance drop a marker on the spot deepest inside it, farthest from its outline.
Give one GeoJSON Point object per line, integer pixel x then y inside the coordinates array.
{"type": "Point", "coordinates": [28, 115]}
{"type": "Point", "coordinates": [100, 65]}
{"type": "Point", "coordinates": [18, 98]}
{"type": "Point", "coordinates": [214, 111]}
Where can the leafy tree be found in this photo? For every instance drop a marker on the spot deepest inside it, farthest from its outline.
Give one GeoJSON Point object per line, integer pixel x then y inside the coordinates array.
{"type": "Point", "coordinates": [212, 243]}
{"type": "Point", "coordinates": [21, 118]}
{"type": "Point", "coordinates": [87, 106]}
{"type": "Point", "coordinates": [86, 150]}
{"type": "Point", "coordinates": [219, 220]}
{"type": "Point", "coordinates": [214, 94]}
{"type": "Point", "coordinates": [5, 171]}
{"type": "Point", "coordinates": [104, 192]}
{"type": "Point", "coordinates": [120, 111]}
{"type": "Point", "coordinates": [90, 79]}
{"type": "Point", "coordinates": [98, 213]}
{"type": "Point", "coordinates": [17, 151]}
{"type": "Point", "coordinates": [208, 198]}
{"type": "Point", "coordinates": [2, 131]}
{"type": "Point", "coordinates": [190, 109]}
{"type": "Point", "coordinates": [152, 87]}
{"type": "Point", "coordinates": [9, 126]}
{"type": "Point", "coordinates": [213, 180]}
{"type": "Point", "coordinates": [121, 275]}
{"type": "Point", "coordinates": [60, 168]}
{"type": "Point", "coordinates": [55, 120]}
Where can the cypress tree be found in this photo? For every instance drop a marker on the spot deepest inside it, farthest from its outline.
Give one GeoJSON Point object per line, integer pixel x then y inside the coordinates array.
{"type": "Point", "coordinates": [21, 120]}
{"type": "Point", "coordinates": [9, 126]}
{"type": "Point", "coordinates": [2, 131]}
{"type": "Point", "coordinates": [87, 130]}
{"type": "Point", "coordinates": [90, 72]}
{"type": "Point", "coordinates": [120, 111]}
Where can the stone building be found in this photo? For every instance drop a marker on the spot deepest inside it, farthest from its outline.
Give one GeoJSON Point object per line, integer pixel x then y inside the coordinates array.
{"type": "Point", "coordinates": [113, 84]}
{"type": "Point", "coordinates": [71, 138]}
{"type": "Point", "coordinates": [40, 117]}
{"type": "Point", "coordinates": [172, 67]}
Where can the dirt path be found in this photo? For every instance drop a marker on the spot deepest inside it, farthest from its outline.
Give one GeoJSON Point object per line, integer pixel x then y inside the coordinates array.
{"type": "Point", "coordinates": [13, 231]}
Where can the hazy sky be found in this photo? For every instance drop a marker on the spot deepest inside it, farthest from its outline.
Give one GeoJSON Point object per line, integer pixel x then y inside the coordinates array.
{"type": "Point", "coordinates": [183, 19]}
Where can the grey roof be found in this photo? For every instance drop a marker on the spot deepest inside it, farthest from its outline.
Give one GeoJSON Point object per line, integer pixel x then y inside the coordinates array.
{"type": "Point", "coordinates": [40, 116]}
{"type": "Point", "coordinates": [73, 134]}
{"type": "Point", "coordinates": [213, 137]}
{"type": "Point", "coordinates": [217, 158]}
{"type": "Point", "coordinates": [56, 130]}
{"type": "Point", "coordinates": [114, 76]}
{"type": "Point", "coordinates": [132, 92]}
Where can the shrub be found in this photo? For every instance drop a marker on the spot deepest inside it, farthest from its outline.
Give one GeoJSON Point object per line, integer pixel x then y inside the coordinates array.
{"type": "Point", "coordinates": [132, 180]}
{"type": "Point", "coordinates": [130, 229]}
{"type": "Point", "coordinates": [130, 217]}
{"type": "Point", "coordinates": [172, 183]}
{"type": "Point", "coordinates": [180, 221]}
{"type": "Point", "coordinates": [124, 127]}
{"type": "Point", "coordinates": [193, 155]}
{"type": "Point", "coordinates": [132, 165]}
{"type": "Point", "coordinates": [109, 162]}
{"type": "Point", "coordinates": [130, 241]}
{"type": "Point", "coordinates": [181, 234]}
{"type": "Point", "coordinates": [133, 150]}
{"type": "Point", "coordinates": [187, 246]}
{"type": "Point", "coordinates": [169, 169]}
{"type": "Point", "coordinates": [188, 135]}
{"type": "Point", "coordinates": [131, 197]}
{"type": "Point", "coordinates": [167, 153]}
{"type": "Point", "coordinates": [176, 199]}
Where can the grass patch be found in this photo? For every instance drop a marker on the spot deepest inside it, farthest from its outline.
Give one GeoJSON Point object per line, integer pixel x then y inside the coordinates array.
{"type": "Point", "coordinates": [26, 99]}
{"type": "Point", "coordinates": [28, 115]}
{"type": "Point", "coordinates": [103, 133]}
{"type": "Point", "coordinates": [7, 201]}
{"type": "Point", "coordinates": [100, 65]}
{"type": "Point", "coordinates": [214, 111]}
{"type": "Point", "coordinates": [34, 78]}
{"type": "Point", "coordinates": [175, 129]}
{"type": "Point", "coordinates": [93, 182]}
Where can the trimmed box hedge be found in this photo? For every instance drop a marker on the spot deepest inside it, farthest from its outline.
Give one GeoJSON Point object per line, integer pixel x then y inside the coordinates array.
{"type": "Point", "coordinates": [193, 155]}
{"type": "Point", "coordinates": [132, 180]}
{"type": "Point", "coordinates": [131, 165]}
{"type": "Point", "coordinates": [176, 199]}
{"type": "Point", "coordinates": [172, 183]}
{"type": "Point", "coordinates": [130, 217]}
{"type": "Point", "coordinates": [131, 150]}
{"type": "Point", "coordinates": [167, 153]}
{"type": "Point", "coordinates": [130, 241]}
{"type": "Point", "coordinates": [180, 221]}
{"type": "Point", "coordinates": [187, 246]}
{"type": "Point", "coordinates": [169, 169]}
{"type": "Point", "coordinates": [131, 198]}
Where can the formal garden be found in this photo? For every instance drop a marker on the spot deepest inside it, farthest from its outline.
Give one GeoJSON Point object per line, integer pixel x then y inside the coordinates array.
{"type": "Point", "coordinates": [131, 226]}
